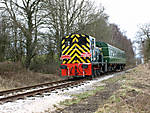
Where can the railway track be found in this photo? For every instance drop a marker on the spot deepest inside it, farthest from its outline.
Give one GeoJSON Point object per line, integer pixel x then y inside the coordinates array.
{"type": "Point", "coordinates": [21, 93]}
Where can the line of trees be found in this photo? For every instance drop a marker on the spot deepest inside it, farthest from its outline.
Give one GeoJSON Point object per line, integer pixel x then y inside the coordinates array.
{"type": "Point", "coordinates": [31, 30]}
{"type": "Point", "coordinates": [120, 40]}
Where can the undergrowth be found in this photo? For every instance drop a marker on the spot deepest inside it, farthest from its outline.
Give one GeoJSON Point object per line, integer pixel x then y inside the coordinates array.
{"type": "Point", "coordinates": [13, 75]}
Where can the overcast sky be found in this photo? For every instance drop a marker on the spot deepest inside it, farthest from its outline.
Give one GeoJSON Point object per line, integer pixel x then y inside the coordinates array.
{"type": "Point", "coordinates": [128, 14]}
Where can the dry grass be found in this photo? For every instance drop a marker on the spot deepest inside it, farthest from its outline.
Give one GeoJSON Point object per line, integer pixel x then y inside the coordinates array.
{"type": "Point", "coordinates": [13, 75]}
{"type": "Point", "coordinates": [149, 64]}
{"type": "Point", "coordinates": [134, 94]}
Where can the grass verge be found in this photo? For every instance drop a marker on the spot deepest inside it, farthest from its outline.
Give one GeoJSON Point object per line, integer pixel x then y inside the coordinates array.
{"type": "Point", "coordinates": [133, 96]}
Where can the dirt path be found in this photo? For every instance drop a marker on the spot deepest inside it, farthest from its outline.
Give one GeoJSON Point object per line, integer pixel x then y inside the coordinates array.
{"type": "Point", "coordinates": [91, 104]}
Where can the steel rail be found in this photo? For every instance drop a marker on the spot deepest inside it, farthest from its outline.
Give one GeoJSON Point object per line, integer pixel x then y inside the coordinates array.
{"type": "Point", "coordinates": [39, 91]}
{"type": "Point", "coordinates": [29, 87]}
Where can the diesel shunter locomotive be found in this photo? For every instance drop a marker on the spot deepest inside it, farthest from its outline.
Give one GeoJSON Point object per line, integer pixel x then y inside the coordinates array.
{"type": "Point", "coordinates": [82, 56]}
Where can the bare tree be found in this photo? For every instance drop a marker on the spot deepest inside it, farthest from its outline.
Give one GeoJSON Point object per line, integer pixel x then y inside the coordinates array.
{"type": "Point", "coordinates": [143, 38]}
{"type": "Point", "coordinates": [99, 28]}
{"type": "Point", "coordinates": [25, 16]}
{"type": "Point", "coordinates": [4, 42]}
{"type": "Point", "coordinates": [64, 17]}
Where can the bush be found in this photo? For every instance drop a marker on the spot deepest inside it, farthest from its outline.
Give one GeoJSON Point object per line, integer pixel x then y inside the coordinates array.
{"type": "Point", "coordinates": [40, 64]}
{"type": "Point", "coordinates": [10, 67]}
{"type": "Point", "coordinates": [45, 68]}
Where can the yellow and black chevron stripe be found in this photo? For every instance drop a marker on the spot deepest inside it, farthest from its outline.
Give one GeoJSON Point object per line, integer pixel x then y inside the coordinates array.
{"type": "Point", "coordinates": [74, 45]}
